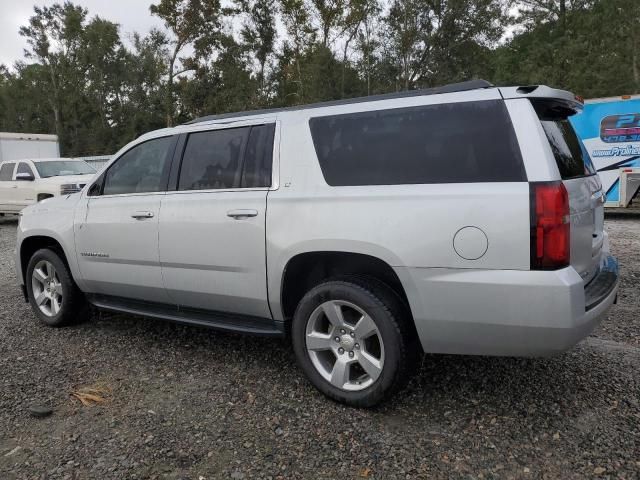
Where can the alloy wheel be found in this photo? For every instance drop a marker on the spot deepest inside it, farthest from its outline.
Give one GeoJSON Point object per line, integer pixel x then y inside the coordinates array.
{"type": "Point", "coordinates": [345, 345]}
{"type": "Point", "coordinates": [47, 288]}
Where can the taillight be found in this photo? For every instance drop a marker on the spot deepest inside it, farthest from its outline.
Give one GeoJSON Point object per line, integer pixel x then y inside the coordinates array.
{"type": "Point", "coordinates": [550, 226]}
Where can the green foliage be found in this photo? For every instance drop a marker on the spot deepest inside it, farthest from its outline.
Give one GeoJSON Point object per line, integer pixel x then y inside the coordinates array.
{"type": "Point", "coordinates": [78, 79]}
{"type": "Point", "coordinates": [592, 51]}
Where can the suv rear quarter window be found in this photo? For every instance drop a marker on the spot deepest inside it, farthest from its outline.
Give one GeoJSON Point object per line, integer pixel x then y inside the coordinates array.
{"type": "Point", "coordinates": [446, 143]}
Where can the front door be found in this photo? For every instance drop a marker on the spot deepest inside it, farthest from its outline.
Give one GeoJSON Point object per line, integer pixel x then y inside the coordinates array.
{"type": "Point", "coordinates": [117, 233]}
{"type": "Point", "coordinates": [212, 227]}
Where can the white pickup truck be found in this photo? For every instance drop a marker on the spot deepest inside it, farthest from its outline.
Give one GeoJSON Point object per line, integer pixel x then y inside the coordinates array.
{"type": "Point", "coordinates": [25, 182]}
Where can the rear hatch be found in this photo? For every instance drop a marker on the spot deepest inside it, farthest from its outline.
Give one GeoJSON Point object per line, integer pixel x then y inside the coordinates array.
{"type": "Point", "coordinates": [586, 198]}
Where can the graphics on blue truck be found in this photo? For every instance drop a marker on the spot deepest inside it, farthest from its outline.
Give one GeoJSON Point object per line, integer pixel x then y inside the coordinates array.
{"type": "Point", "coordinates": [610, 131]}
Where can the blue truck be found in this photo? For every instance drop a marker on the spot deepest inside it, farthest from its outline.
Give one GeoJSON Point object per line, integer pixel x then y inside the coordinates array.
{"type": "Point", "coordinates": [610, 132]}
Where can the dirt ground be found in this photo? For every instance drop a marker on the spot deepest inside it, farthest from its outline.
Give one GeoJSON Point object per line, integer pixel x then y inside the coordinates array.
{"type": "Point", "coordinates": [179, 402]}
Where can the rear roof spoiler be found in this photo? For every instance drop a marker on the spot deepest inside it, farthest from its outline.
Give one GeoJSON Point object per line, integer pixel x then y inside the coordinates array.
{"type": "Point", "coordinates": [542, 92]}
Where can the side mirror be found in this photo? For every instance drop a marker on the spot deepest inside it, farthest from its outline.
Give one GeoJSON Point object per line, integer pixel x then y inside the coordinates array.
{"type": "Point", "coordinates": [24, 177]}
{"type": "Point", "coordinates": [96, 189]}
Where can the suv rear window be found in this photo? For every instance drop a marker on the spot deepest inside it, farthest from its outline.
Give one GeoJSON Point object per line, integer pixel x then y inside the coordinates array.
{"type": "Point", "coordinates": [572, 158]}
{"type": "Point", "coordinates": [447, 143]}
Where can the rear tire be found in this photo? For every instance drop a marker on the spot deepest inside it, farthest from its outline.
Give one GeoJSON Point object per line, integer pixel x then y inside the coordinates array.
{"type": "Point", "coordinates": [353, 339]}
{"type": "Point", "coordinates": [54, 296]}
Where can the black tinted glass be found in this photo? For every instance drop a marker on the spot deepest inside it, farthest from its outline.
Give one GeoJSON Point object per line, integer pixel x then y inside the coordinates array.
{"type": "Point", "coordinates": [141, 169]}
{"type": "Point", "coordinates": [6, 172]}
{"type": "Point", "coordinates": [448, 143]}
{"type": "Point", "coordinates": [24, 168]}
{"type": "Point", "coordinates": [258, 157]}
{"type": "Point", "coordinates": [212, 159]}
{"type": "Point", "coordinates": [572, 158]}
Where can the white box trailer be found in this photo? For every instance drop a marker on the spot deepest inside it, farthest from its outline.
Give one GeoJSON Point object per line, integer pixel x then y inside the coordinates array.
{"type": "Point", "coordinates": [17, 146]}
{"type": "Point", "coordinates": [610, 132]}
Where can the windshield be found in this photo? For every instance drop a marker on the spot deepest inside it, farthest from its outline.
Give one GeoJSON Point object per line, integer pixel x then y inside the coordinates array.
{"type": "Point", "coordinates": [63, 167]}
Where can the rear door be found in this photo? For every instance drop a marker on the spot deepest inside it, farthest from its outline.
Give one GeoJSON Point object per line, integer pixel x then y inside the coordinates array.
{"type": "Point", "coordinates": [586, 198]}
{"type": "Point", "coordinates": [212, 226]}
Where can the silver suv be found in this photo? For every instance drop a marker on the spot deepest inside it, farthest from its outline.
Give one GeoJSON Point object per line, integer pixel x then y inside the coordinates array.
{"type": "Point", "coordinates": [465, 219]}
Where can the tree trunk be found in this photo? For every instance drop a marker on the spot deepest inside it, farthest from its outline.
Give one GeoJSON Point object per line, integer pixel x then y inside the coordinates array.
{"type": "Point", "coordinates": [344, 56]}
{"type": "Point", "coordinates": [54, 101]}
{"type": "Point", "coordinates": [634, 54]}
{"type": "Point", "coordinates": [169, 93]}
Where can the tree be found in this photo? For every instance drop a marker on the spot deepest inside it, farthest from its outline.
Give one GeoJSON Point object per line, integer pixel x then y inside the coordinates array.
{"type": "Point", "coordinates": [192, 23]}
{"type": "Point", "coordinates": [259, 34]}
{"type": "Point", "coordinates": [53, 35]}
{"type": "Point", "coordinates": [427, 40]}
{"type": "Point", "coordinates": [593, 52]}
{"type": "Point", "coordinates": [295, 16]}
{"type": "Point", "coordinates": [535, 12]}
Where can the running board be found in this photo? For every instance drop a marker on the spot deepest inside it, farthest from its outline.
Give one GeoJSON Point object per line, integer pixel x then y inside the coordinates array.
{"type": "Point", "coordinates": [191, 316]}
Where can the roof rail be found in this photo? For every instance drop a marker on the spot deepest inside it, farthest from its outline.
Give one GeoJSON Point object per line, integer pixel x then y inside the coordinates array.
{"type": "Point", "coordinates": [453, 87]}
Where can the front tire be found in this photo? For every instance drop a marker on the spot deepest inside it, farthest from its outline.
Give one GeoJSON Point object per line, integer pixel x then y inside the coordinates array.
{"type": "Point", "coordinates": [352, 338]}
{"type": "Point", "coordinates": [53, 295]}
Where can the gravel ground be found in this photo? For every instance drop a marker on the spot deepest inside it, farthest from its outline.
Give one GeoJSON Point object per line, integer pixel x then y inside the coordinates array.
{"type": "Point", "coordinates": [189, 403]}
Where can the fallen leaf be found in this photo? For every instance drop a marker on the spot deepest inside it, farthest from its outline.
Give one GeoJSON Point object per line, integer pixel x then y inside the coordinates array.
{"type": "Point", "coordinates": [92, 395]}
{"type": "Point", "coordinates": [365, 472]}
{"type": "Point", "coordinates": [599, 470]}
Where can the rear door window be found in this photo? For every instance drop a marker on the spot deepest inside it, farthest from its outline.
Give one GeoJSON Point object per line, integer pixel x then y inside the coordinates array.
{"type": "Point", "coordinates": [213, 159]}
{"type": "Point", "coordinates": [24, 168]}
{"type": "Point", "coordinates": [446, 143]}
{"type": "Point", "coordinates": [6, 172]}
{"type": "Point", "coordinates": [258, 157]}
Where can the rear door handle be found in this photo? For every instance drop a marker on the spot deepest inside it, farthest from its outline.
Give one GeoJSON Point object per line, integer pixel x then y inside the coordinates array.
{"type": "Point", "coordinates": [141, 215]}
{"type": "Point", "coordinates": [238, 214]}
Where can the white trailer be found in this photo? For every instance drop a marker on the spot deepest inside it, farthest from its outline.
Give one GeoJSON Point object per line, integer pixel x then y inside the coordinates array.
{"type": "Point", "coordinates": [18, 146]}
{"type": "Point", "coordinates": [610, 131]}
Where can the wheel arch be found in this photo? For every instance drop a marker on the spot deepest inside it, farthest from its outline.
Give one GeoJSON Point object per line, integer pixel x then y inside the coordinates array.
{"type": "Point", "coordinates": [32, 244]}
{"type": "Point", "coordinates": [307, 269]}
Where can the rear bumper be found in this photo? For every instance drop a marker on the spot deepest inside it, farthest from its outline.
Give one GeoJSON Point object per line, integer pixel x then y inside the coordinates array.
{"type": "Point", "coordinates": [506, 312]}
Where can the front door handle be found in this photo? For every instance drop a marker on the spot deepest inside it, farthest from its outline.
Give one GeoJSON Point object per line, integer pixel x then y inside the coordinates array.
{"type": "Point", "coordinates": [238, 214]}
{"type": "Point", "coordinates": [141, 215]}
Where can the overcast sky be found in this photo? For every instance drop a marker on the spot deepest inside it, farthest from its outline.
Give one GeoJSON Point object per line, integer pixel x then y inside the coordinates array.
{"type": "Point", "coordinates": [132, 15]}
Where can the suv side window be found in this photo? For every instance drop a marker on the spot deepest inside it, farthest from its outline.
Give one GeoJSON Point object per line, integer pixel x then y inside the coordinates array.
{"type": "Point", "coordinates": [258, 159]}
{"type": "Point", "coordinates": [446, 143]}
{"type": "Point", "coordinates": [24, 168]}
{"type": "Point", "coordinates": [142, 169]}
{"type": "Point", "coordinates": [6, 172]}
{"type": "Point", "coordinates": [213, 159]}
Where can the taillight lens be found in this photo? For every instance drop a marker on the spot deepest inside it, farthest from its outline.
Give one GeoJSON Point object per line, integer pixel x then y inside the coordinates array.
{"type": "Point", "coordinates": [550, 226]}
